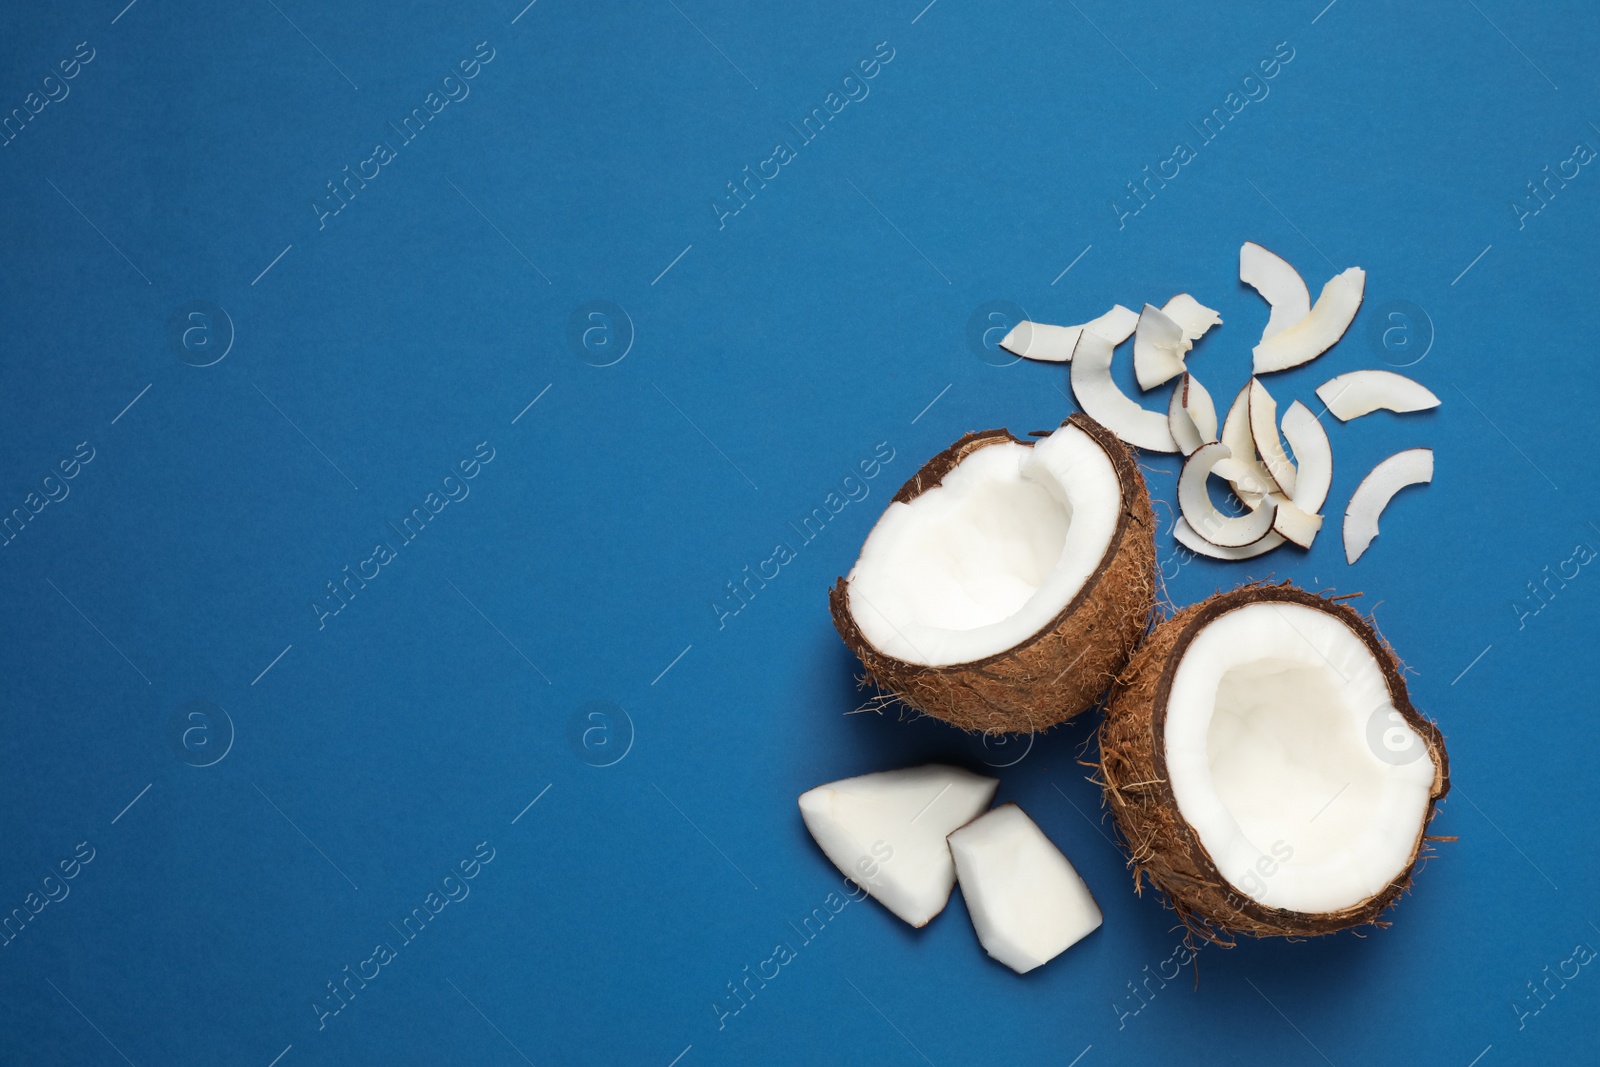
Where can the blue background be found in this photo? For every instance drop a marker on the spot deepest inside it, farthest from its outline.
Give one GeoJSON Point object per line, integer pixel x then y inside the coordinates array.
{"type": "Point", "coordinates": [769, 355]}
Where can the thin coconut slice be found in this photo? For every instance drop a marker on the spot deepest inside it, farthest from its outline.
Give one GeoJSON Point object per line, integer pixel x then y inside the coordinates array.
{"type": "Point", "coordinates": [1193, 317]}
{"type": "Point", "coordinates": [1102, 400]}
{"type": "Point", "coordinates": [1265, 765]}
{"type": "Point", "coordinates": [1313, 457]}
{"type": "Point", "coordinates": [1243, 469]}
{"type": "Point", "coordinates": [1007, 580]}
{"type": "Point", "coordinates": [1054, 344]}
{"type": "Point", "coordinates": [1201, 547]}
{"type": "Point", "coordinates": [1294, 524]}
{"type": "Point", "coordinates": [1159, 346]}
{"type": "Point", "coordinates": [1028, 904]}
{"type": "Point", "coordinates": [1264, 435]}
{"type": "Point", "coordinates": [1224, 531]}
{"type": "Point", "coordinates": [1361, 392]}
{"type": "Point", "coordinates": [1278, 283]}
{"type": "Point", "coordinates": [886, 831]}
{"type": "Point", "coordinates": [1414, 466]}
{"type": "Point", "coordinates": [1319, 330]}
{"type": "Point", "coordinates": [1191, 416]}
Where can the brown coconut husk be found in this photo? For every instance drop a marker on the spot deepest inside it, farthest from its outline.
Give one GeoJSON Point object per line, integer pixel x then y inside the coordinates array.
{"type": "Point", "coordinates": [1162, 847]}
{"type": "Point", "coordinates": [1066, 667]}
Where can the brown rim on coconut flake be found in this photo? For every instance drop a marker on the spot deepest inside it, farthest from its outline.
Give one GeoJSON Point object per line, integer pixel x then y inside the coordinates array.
{"type": "Point", "coordinates": [1161, 844]}
{"type": "Point", "coordinates": [1065, 667]}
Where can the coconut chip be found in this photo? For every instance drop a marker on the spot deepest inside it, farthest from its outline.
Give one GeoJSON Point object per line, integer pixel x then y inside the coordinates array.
{"type": "Point", "coordinates": [1054, 344]}
{"type": "Point", "coordinates": [1414, 466]}
{"type": "Point", "coordinates": [1278, 283]}
{"type": "Point", "coordinates": [1103, 401]}
{"type": "Point", "coordinates": [1361, 392]}
{"type": "Point", "coordinates": [1319, 330]}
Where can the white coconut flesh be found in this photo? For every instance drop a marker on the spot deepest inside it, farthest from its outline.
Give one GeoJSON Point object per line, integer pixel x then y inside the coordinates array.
{"type": "Point", "coordinates": [1279, 284]}
{"type": "Point", "coordinates": [1319, 330]}
{"type": "Point", "coordinates": [887, 831]}
{"type": "Point", "coordinates": [1194, 501]}
{"type": "Point", "coordinates": [1054, 344]}
{"type": "Point", "coordinates": [1104, 401]}
{"type": "Point", "coordinates": [1191, 416]}
{"type": "Point", "coordinates": [1028, 904]}
{"type": "Point", "coordinates": [1274, 762]}
{"type": "Point", "coordinates": [1193, 317]}
{"type": "Point", "coordinates": [1159, 345]}
{"type": "Point", "coordinates": [1349, 396]}
{"type": "Point", "coordinates": [1414, 466]}
{"type": "Point", "coordinates": [988, 558]}
{"type": "Point", "coordinates": [1263, 414]}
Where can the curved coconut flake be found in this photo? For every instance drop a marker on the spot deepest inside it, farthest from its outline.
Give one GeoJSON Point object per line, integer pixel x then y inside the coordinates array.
{"type": "Point", "coordinates": [1224, 531]}
{"type": "Point", "coordinates": [1108, 405]}
{"type": "Point", "coordinates": [1193, 317]}
{"type": "Point", "coordinates": [1278, 283]}
{"type": "Point", "coordinates": [1294, 524]}
{"type": "Point", "coordinates": [1321, 328]}
{"type": "Point", "coordinates": [1191, 415]}
{"type": "Point", "coordinates": [1313, 457]}
{"type": "Point", "coordinates": [1414, 466]}
{"type": "Point", "coordinates": [1243, 469]}
{"type": "Point", "coordinates": [1159, 346]}
{"type": "Point", "coordinates": [1201, 547]}
{"type": "Point", "coordinates": [1264, 435]}
{"type": "Point", "coordinates": [1361, 392]}
{"type": "Point", "coordinates": [1054, 344]}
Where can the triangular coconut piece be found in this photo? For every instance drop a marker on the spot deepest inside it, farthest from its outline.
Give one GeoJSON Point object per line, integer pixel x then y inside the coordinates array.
{"type": "Point", "coordinates": [886, 831]}
{"type": "Point", "coordinates": [1279, 284]}
{"type": "Point", "coordinates": [1054, 344]}
{"type": "Point", "coordinates": [1319, 330]}
{"type": "Point", "coordinates": [1159, 346]}
{"type": "Point", "coordinates": [1028, 904]}
{"type": "Point", "coordinates": [1193, 317]}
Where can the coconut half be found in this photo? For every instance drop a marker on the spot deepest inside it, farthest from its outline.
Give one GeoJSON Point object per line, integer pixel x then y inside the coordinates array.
{"type": "Point", "coordinates": [1279, 284]}
{"type": "Point", "coordinates": [1008, 581]}
{"type": "Point", "coordinates": [1191, 416]}
{"type": "Point", "coordinates": [1054, 344]}
{"type": "Point", "coordinates": [1414, 466]}
{"type": "Point", "coordinates": [1105, 402]}
{"type": "Point", "coordinates": [887, 831]}
{"type": "Point", "coordinates": [1266, 768]}
{"type": "Point", "coordinates": [1361, 392]}
{"type": "Point", "coordinates": [1028, 904]}
{"type": "Point", "coordinates": [1319, 330]}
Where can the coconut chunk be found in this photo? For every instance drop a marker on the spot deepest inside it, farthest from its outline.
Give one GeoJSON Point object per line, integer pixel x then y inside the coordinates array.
{"type": "Point", "coordinates": [1159, 346]}
{"type": "Point", "coordinates": [1028, 904]}
{"type": "Point", "coordinates": [1102, 400]}
{"type": "Point", "coordinates": [1224, 531]}
{"type": "Point", "coordinates": [1054, 344]}
{"type": "Point", "coordinates": [1361, 392]}
{"type": "Point", "coordinates": [886, 831]}
{"type": "Point", "coordinates": [1264, 435]}
{"type": "Point", "coordinates": [1278, 283]}
{"type": "Point", "coordinates": [1313, 457]}
{"type": "Point", "coordinates": [1191, 416]}
{"type": "Point", "coordinates": [1193, 317]}
{"type": "Point", "coordinates": [1414, 466]}
{"type": "Point", "coordinates": [1319, 330]}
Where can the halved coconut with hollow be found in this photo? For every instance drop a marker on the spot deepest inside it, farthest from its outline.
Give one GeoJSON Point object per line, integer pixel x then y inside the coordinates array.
{"type": "Point", "coordinates": [1008, 581]}
{"type": "Point", "coordinates": [1266, 767]}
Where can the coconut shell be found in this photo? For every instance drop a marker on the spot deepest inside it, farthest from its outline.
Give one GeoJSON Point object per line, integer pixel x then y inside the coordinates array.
{"type": "Point", "coordinates": [1064, 668]}
{"type": "Point", "coordinates": [1161, 845]}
